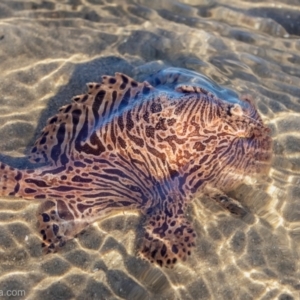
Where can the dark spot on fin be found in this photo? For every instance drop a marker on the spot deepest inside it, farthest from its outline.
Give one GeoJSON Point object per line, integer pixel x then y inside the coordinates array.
{"type": "Point", "coordinates": [46, 217]}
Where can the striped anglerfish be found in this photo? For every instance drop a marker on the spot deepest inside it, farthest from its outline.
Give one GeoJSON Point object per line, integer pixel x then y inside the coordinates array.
{"type": "Point", "coordinates": [127, 145]}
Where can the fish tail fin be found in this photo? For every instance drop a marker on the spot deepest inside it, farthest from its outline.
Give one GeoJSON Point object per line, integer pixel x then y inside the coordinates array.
{"type": "Point", "coordinates": [9, 180]}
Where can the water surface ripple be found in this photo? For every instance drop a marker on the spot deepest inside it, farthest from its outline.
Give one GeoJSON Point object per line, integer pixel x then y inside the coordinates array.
{"type": "Point", "coordinates": [50, 49]}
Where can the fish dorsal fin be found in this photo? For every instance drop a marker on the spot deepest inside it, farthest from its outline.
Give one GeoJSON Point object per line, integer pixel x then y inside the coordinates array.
{"type": "Point", "coordinates": [75, 125]}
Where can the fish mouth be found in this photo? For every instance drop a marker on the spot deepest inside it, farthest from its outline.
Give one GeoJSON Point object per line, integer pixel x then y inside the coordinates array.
{"type": "Point", "coordinates": [255, 151]}
{"type": "Point", "coordinates": [263, 151]}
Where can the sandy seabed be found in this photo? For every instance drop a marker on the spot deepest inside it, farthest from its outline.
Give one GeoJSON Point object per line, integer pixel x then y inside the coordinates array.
{"type": "Point", "coordinates": [50, 49]}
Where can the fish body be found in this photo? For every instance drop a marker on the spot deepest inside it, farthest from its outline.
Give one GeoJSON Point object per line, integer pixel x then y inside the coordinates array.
{"type": "Point", "coordinates": [127, 145]}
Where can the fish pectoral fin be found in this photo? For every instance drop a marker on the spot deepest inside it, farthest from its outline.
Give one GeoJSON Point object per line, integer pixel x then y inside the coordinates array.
{"type": "Point", "coordinates": [228, 203]}
{"type": "Point", "coordinates": [167, 239]}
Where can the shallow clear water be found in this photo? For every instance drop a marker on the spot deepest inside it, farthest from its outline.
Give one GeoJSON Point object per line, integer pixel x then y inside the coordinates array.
{"type": "Point", "coordinates": [50, 49]}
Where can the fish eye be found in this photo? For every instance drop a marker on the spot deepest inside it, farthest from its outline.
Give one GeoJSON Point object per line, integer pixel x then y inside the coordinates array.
{"type": "Point", "coordinates": [236, 110]}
